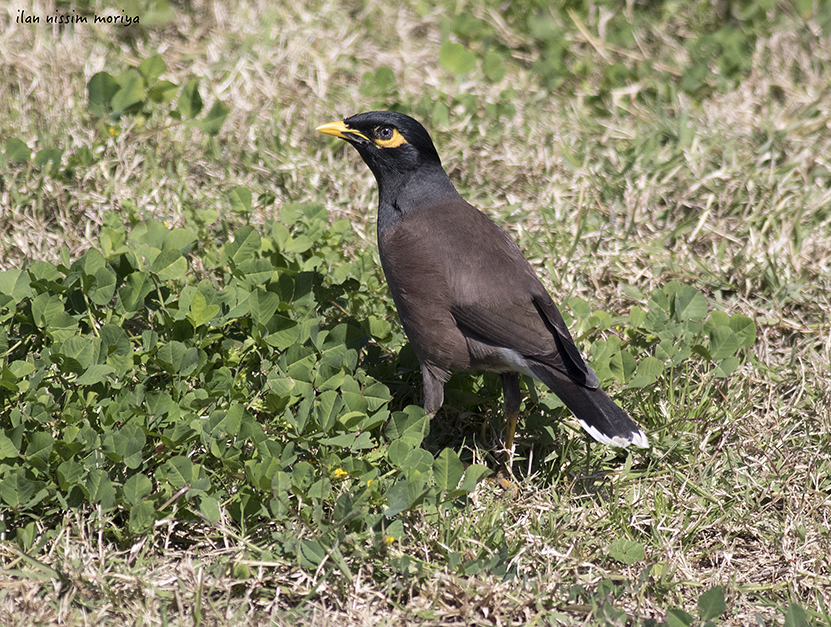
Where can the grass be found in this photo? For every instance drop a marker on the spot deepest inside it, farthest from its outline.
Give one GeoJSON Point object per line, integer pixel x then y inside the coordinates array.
{"type": "Point", "coordinates": [612, 188]}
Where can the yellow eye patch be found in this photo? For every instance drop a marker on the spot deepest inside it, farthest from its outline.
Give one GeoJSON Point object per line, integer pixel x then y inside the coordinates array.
{"type": "Point", "coordinates": [395, 141]}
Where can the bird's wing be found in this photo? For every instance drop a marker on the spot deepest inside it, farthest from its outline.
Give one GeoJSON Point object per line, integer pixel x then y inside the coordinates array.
{"type": "Point", "coordinates": [574, 361]}
{"type": "Point", "coordinates": [475, 270]}
{"type": "Point", "coordinates": [534, 329]}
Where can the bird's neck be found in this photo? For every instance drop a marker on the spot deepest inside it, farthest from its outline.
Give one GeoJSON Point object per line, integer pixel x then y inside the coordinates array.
{"type": "Point", "coordinates": [401, 193]}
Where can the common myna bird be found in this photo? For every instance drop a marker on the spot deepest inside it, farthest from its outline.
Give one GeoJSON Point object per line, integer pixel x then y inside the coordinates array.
{"type": "Point", "coordinates": [466, 296]}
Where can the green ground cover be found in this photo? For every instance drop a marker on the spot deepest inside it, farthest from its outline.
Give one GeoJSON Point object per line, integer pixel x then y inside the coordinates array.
{"type": "Point", "coordinates": [206, 400]}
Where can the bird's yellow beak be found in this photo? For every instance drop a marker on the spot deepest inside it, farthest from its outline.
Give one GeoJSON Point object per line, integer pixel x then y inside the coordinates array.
{"type": "Point", "coordinates": [339, 129]}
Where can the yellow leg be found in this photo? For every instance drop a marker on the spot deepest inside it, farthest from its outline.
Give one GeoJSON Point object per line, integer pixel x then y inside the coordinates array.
{"type": "Point", "coordinates": [510, 429]}
{"type": "Point", "coordinates": [510, 390]}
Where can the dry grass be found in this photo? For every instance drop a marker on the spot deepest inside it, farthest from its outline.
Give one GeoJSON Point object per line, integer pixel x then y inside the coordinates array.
{"type": "Point", "coordinates": [742, 211]}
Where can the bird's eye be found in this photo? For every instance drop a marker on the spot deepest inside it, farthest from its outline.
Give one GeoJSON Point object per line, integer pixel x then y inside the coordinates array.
{"type": "Point", "coordinates": [385, 132]}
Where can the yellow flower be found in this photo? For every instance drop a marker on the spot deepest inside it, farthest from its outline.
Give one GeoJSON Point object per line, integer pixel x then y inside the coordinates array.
{"type": "Point", "coordinates": [389, 540]}
{"type": "Point", "coordinates": [340, 473]}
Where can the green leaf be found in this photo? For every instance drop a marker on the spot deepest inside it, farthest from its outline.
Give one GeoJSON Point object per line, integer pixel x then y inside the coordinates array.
{"type": "Point", "coordinates": [679, 618]}
{"type": "Point", "coordinates": [385, 79]}
{"type": "Point", "coordinates": [240, 198]}
{"type": "Point", "coordinates": [127, 443]}
{"type": "Point", "coordinates": [227, 423]}
{"type": "Point", "coordinates": [170, 265]}
{"type": "Point", "coordinates": [327, 407]}
{"type": "Point", "coordinates": [410, 425]}
{"type": "Point", "coordinates": [100, 489]}
{"type": "Point", "coordinates": [795, 616]}
{"type": "Point", "coordinates": [190, 102]}
{"type": "Point", "coordinates": [648, 372]}
{"type": "Point", "coordinates": [711, 603]}
{"type": "Point", "coordinates": [100, 91]}
{"type": "Point", "coordinates": [150, 232]}
{"type": "Point", "coordinates": [61, 326]}
{"type": "Point", "coordinates": [637, 316]}
{"type": "Point", "coordinates": [320, 489]}
{"type": "Point", "coordinates": [142, 517]}
{"type": "Point", "coordinates": [200, 312]}
{"type": "Point", "coordinates": [379, 83]}
{"type": "Point", "coordinates": [163, 92]}
{"type": "Point", "coordinates": [94, 374]}
{"type": "Point", "coordinates": [726, 367]}
{"type": "Point", "coordinates": [395, 530]}
{"type": "Point", "coordinates": [744, 328]}
{"type": "Point", "coordinates": [311, 554]}
{"type": "Point", "coordinates": [298, 244]}
{"type": "Point", "coordinates": [456, 58]}
{"type": "Point", "coordinates": [21, 369]}
{"type": "Point", "coordinates": [447, 470]}
{"type": "Point", "coordinates": [280, 384]}
{"type": "Point", "coordinates": [302, 477]}
{"type": "Point", "coordinates": [417, 487]}
{"type": "Point", "coordinates": [723, 343]}
{"type": "Point", "coordinates": [70, 474]}
{"type": "Point", "coordinates": [494, 67]}
{"type": "Point", "coordinates": [215, 118]}
{"type": "Point", "coordinates": [90, 262]}
{"type": "Point", "coordinates": [376, 395]}
{"type": "Point", "coordinates": [397, 498]}
{"type": "Point", "coordinates": [380, 328]}
{"type": "Point", "coordinates": [136, 287]}
{"type": "Point", "coordinates": [104, 287]}
{"type": "Point", "coordinates": [136, 488]}
{"type": "Point", "coordinates": [280, 483]}
{"type": "Point", "coordinates": [152, 68]}
{"type": "Point", "coordinates": [40, 446]}
{"type": "Point", "coordinates": [473, 475]}
{"type": "Point", "coordinates": [243, 247]}
{"type": "Point", "coordinates": [263, 305]}
{"type": "Point", "coordinates": [9, 381]}
{"type": "Point", "coordinates": [49, 159]}
{"type": "Point", "coordinates": [410, 459]}
{"type": "Point", "coordinates": [176, 358]}
{"type": "Point", "coordinates": [343, 441]}
{"type": "Point", "coordinates": [363, 442]}
{"type": "Point", "coordinates": [16, 490]}
{"type": "Point", "coordinates": [180, 239]}
{"type": "Point", "coordinates": [209, 506]}
{"type": "Point", "coordinates": [78, 353]}
{"type": "Point", "coordinates": [15, 283]}
{"type": "Point", "coordinates": [716, 319]}
{"type": "Point", "coordinates": [17, 151]}
{"type": "Point", "coordinates": [670, 350]}
{"type": "Point", "coordinates": [398, 450]}
{"type": "Point", "coordinates": [129, 98]}
{"type": "Point", "coordinates": [690, 304]}
{"type": "Point", "coordinates": [262, 473]}
{"type": "Point", "coordinates": [178, 471]}
{"type": "Point", "coordinates": [117, 348]}
{"type": "Point", "coordinates": [625, 551]}
{"type": "Point", "coordinates": [7, 447]}
{"type": "Point", "coordinates": [48, 311]}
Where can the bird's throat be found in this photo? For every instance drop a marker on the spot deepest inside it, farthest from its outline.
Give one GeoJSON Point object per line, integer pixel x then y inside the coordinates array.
{"type": "Point", "coordinates": [401, 193]}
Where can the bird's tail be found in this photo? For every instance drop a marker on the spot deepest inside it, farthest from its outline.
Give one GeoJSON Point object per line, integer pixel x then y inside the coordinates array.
{"type": "Point", "coordinates": [595, 411]}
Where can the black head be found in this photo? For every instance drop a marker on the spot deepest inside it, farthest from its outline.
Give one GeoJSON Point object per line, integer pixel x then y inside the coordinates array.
{"type": "Point", "coordinates": [390, 143]}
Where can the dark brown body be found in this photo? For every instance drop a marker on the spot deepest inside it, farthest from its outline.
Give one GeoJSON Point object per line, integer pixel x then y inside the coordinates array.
{"type": "Point", "coordinates": [463, 289]}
